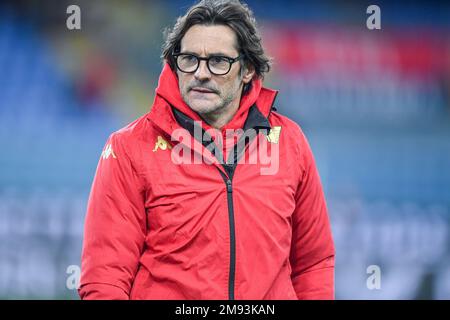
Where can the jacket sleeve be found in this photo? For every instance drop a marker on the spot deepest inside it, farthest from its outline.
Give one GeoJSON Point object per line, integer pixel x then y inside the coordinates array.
{"type": "Point", "coordinates": [312, 247]}
{"type": "Point", "coordinates": [115, 226]}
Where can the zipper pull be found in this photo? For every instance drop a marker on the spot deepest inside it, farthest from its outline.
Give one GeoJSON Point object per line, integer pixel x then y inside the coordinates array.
{"type": "Point", "coordinates": [229, 188]}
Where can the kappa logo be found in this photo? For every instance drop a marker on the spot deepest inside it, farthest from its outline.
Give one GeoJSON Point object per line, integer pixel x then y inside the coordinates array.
{"type": "Point", "coordinates": [162, 144]}
{"type": "Point", "coordinates": [108, 152]}
{"type": "Point", "coordinates": [274, 134]}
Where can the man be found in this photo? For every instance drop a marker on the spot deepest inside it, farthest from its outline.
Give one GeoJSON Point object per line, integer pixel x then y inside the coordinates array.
{"type": "Point", "coordinates": [184, 204]}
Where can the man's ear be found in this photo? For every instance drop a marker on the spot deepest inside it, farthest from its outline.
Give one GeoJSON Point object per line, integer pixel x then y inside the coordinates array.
{"type": "Point", "coordinates": [248, 73]}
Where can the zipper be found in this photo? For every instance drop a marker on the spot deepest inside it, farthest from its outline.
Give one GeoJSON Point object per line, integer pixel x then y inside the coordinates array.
{"type": "Point", "coordinates": [232, 266]}
{"type": "Point", "coordinates": [232, 240]}
{"type": "Point", "coordinates": [228, 179]}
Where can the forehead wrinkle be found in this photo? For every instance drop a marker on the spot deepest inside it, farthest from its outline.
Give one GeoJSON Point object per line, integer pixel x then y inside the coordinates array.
{"type": "Point", "coordinates": [205, 41]}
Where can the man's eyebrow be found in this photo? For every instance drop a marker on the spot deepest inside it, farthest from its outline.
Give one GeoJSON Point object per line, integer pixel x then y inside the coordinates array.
{"type": "Point", "coordinates": [211, 54]}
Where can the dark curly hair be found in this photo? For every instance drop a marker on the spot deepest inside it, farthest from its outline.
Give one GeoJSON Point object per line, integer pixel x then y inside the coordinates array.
{"type": "Point", "coordinates": [231, 13]}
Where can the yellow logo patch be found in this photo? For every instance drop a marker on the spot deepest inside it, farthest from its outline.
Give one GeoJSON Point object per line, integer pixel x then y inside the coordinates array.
{"type": "Point", "coordinates": [162, 144]}
{"type": "Point", "coordinates": [274, 134]}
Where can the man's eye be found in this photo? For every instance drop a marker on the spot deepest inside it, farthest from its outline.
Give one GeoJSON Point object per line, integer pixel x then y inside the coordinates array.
{"type": "Point", "coordinates": [188, 59]}
{"type": "Point", "coordinates": [217, 60]}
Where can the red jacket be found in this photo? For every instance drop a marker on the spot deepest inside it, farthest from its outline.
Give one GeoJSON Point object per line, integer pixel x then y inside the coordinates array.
{"type": "Point", "coordinates": [159, 229]}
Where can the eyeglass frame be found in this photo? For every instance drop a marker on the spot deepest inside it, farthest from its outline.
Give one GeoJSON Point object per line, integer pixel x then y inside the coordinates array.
{"type": "Point", "coordinates": [231, 61]}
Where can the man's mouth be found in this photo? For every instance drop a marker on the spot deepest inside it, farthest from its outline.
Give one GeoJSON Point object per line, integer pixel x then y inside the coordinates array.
{"type": "Point", "coordinates": [202, 90]}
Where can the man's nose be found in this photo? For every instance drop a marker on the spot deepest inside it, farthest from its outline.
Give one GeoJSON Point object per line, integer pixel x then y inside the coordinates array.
{"type": "Point", "coordinates": [202, 72]}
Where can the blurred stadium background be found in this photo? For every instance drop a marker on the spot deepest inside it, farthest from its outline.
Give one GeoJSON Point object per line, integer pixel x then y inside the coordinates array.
{"type": "Point", "coordinates": [374, 104]}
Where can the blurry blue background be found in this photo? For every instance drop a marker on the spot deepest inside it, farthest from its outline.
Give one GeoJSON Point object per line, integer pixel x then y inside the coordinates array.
{"type": "Point", "coordinates": [375, 106]}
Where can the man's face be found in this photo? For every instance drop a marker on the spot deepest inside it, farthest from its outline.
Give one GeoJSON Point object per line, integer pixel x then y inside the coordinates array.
{"type": "Point", "coordinates": [203, 91]}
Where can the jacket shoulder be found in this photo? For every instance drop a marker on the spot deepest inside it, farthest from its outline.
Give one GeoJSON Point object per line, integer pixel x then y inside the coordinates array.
{"type": "Point", "coordinates": [132, 140]}
{"type": "Point", "coordinates": [132, 130]}
{"type": "Point", "coordinates": [293, 129]}
{"type": "Point", "coordinates": [133, 133]}
{"type": "Point", "coordinates": [293, 134]}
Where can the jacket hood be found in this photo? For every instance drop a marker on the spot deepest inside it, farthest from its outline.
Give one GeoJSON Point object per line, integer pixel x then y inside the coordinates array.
{"type": "Point", "coordinates": [169, 92]}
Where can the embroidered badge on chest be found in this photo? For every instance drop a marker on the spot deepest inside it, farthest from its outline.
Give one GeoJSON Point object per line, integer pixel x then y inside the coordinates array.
{"type": "Point", "coordinates": [162, 144]}
{"type": "Point", "coordinates": [274, 134]}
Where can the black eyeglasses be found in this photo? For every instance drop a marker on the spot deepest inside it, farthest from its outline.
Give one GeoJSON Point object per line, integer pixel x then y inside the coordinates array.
{"type": "Point", "coordinates": [217, 65]}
